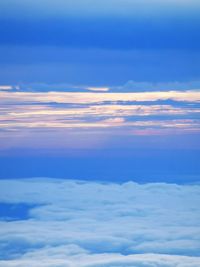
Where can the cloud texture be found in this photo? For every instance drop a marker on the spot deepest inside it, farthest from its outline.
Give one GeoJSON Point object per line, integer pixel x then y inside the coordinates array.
{"type": "Point", "coordinates": [77, 223]}
{"type": "Point", "coordinates": [50, 116]}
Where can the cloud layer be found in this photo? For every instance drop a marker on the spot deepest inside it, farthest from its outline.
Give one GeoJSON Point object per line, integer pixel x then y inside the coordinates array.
{"type": "Point", "coordinates": [27, 114]}
{"type": "Point", "coordinates": [96, 224]}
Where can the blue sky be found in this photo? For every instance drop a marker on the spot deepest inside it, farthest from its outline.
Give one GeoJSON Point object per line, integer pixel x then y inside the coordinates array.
{"type": "Point", "coordinates": [100, 84]}
{"type": "Point", "coordinates": [107, 43]}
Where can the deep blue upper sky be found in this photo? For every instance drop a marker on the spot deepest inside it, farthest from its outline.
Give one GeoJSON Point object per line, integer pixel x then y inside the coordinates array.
{"type": "Point", "coordinates": [99, 42]}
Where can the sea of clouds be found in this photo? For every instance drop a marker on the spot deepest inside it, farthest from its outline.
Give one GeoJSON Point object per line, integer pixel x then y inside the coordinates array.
{"type": "Point", "coordinates": [74, 223]}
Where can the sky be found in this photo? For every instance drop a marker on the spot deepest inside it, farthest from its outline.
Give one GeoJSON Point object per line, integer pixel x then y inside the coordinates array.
{"type": "Point", "coordinates": [109, 86]}
{"type": "Point", "coordinates": [99, 133]}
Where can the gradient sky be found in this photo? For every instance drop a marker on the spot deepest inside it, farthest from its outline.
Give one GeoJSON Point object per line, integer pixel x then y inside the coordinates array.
{"type": "Point", "coordinates": [99, 133]}
{"type": "Point", "coordinates": [100, 89]}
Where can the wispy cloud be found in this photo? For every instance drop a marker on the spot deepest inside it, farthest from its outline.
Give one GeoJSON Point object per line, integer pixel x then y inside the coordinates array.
{"type": "Point", "coordinates": [134, 86]}
{"type": "Point", "coordinates": [5, 87]}
{"type": "Point", "coordinates": [139, 113]}
{"type": "Point", "coordinates": [89, 98]}
{"type": "Point", "coordinates": [98, 89]}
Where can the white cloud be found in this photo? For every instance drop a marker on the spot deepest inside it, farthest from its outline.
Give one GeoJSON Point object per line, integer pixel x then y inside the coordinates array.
{"type": "Point", "coordinates": [69, 256]}
{"type": "Point", "coordinates": [98, 89]}
{"type": "Point", "coordinates": [5, 87]}
{"type": "Point", "coordinates": [97, 98]}
{"type": "Point", "coordinates": [79, 223]}
{"type": "Point", "coordinates": [95, 112]}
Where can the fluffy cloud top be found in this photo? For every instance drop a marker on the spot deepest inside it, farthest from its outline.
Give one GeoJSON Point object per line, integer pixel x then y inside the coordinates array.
{"type": "Point", "coordinates": [77, 223]}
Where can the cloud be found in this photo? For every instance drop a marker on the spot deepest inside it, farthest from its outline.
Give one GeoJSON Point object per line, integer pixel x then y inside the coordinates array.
{"type": "Point", "coordinates": [101, 224]}
{"type": "Point", "coordinates": [92, 98]}
{"type": "Point", "coordinates": [5, 87]}
{"type": "Point", "coordinates": [130, 86]}
{"type": "Point", "coordinates": [134, 86]}
{"type": "Point", "coordinates": [55, 87]}
{"type": "Point", "coordinates": [98, 89]}
{"type": "Point", "coordinates": [60, 257]}
{"type": "Point", "coordinates": [44, 119]}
